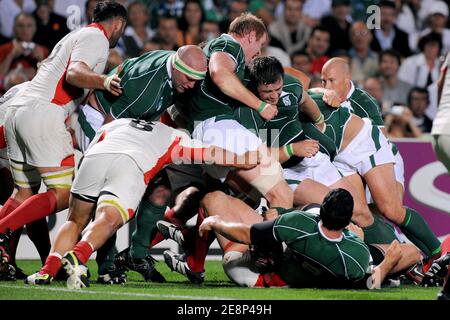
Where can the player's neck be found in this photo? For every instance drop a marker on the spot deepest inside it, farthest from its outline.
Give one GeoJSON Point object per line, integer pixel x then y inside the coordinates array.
{"type": "Point", "coordinates": [331, 234]}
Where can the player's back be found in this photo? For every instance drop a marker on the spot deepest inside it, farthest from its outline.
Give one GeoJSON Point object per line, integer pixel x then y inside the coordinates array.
{"type": "Point", "coordinates": [89, 45]}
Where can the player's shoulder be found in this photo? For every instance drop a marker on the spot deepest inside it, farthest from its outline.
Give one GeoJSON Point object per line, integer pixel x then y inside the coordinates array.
{"type": "Point", "coordinates": [224, 43]}
{"type": "Point", "coordinates": [362, 96]}
{"type": "Point", "coordinates": [291, 83]}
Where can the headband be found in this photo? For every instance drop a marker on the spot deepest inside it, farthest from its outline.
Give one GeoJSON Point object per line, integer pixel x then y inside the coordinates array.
{"type": "Point", "coordinates": [179, 64]}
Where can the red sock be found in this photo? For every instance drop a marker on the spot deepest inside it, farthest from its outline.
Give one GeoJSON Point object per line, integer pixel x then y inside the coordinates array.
{"type": "Point", "coordinates": [169, 216]}
{"type": "Point", "coordinates": [51, 266]}
{"type": "Point", "coordinates": [9, 207]}
{"type": "Point", "coordinates": [36, 207]}
{"type": "Point", "coordinates": [196, 261]}
{"type": "Point", "coordinates": [83, 251]}
{"type": "Point", "coordinates": [430, 261]}
{"type": "Point", "coordinates": [157, 239]}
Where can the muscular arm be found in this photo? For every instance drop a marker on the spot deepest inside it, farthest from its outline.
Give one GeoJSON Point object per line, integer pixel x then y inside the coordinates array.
{"type": "Point", "coordinates": [310, 108]}
{"type": "Point", "coordinates": [80, 75]}
{"type": "Point", "coordinates": [222, 72]}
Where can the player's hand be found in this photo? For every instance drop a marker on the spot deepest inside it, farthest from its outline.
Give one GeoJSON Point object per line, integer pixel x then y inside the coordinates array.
{"type": "Point", "coordinates": [248, 160]}
{"type": "Point", "coordinates": [208, 224]}
{"type": "Point", "coordinates": [112, 84]}
{"type": "Point", "coordinates": [356, 230]}
{"type": "Point", "coordinates": [270, 111]}
{"type": "Point", "coordinates": [331, 98]}
{"type": "Point", "coordinates": [306, 148]}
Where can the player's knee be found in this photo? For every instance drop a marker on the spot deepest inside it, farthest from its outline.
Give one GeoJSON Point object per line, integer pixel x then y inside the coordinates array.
{"type": "Point", "coordinates": [212, 198]}
{"type": "Point", "coordinates": [392, 209]}
{"type": "Point", "coordinates": [280, 195]}
{"type": "Point", "coordinates": [237, 267]}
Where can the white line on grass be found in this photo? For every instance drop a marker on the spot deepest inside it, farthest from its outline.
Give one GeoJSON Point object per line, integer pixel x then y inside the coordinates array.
{"type": "Point", "coordinates": [121, 293]}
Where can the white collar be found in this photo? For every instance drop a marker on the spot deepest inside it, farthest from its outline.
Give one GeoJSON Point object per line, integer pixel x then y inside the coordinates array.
{"type": "Point", "coordinates": [352, 89]}
{"type": "Point", "coordinates": [323, 234]}
{"type": "Point", "coordinates": [169, 68]}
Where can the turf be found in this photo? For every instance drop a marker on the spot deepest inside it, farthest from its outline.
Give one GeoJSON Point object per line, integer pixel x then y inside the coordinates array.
{"type": "Point", "coordinates": [216, 286]}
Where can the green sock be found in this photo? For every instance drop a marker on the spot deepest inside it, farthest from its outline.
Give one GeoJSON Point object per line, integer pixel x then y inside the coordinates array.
{"type": "Point", "coordinates": [146, 217]}
{"type": "Point", "coordinates": [106, 254]}
{"type": "Point", "coordinates": [379, 232]}
{"type": "Point", "coordinates": [418, 231]}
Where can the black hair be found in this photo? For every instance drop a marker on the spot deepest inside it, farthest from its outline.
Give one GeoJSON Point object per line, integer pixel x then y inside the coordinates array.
{"type": "Point", "coordinates": [429, 38]}
{"type": "Point", "coordinates": [182, 23]}
{"type": "Point", "coordinates": [387, 4]}
{"type": "Point", "coordinates": [392, 53]}
{"type": "Point", "coordinates": [320, 28]}
{"type": "Point", "coordinates": [265, 70]}
{"type": "Point", "coordinates": [300, 53]}
{"type": "Point", "coordinates": [419, 90]}
{"type": "Point", "coordinates": [336, 209]}
{"type": "Point", "coordinates": [106, 10]}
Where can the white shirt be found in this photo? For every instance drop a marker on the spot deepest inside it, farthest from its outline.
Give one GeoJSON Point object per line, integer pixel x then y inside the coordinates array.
{"type": "Point", "coordinates": [8, 12]}
{"type": "Point", "coordinates": [145, 147]}
{"type": "Point", "coordinates": [88, 45]}
{"type": "Point", "coordinates": [414, 70]}
{"type": "Point", "coordinates": [441, 123]}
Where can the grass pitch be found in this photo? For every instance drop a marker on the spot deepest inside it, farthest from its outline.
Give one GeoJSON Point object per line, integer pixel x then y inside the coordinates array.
{"type": "Point", "coordinates": [216, 286]}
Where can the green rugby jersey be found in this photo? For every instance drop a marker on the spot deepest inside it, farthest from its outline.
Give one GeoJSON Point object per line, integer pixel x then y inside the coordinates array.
{"type": "Point", "coordinates": [285, 128]}
{"type": "Point", "coordinates": [364, 105]}
{"type": "Point", "coordinates": [146, 88]}
{"type": "Point", "coordinates": [347, 257]}
{"type": "Point", "coordinates": [208, 100]}
{"type": "Point", "coordinates": [335, 118]}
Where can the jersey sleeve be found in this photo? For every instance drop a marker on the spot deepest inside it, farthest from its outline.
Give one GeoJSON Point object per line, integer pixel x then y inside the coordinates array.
{"type": "Point", "coordinates": [90, 49]}
{"type": "Point", "coordinates": [232, 48]}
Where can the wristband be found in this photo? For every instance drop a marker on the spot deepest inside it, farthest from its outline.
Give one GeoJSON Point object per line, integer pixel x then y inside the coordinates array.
{"type": "Point", "coordinates": [288, 149]}
{"type": "Point", "coordinates": [320, 119]}
{"type": "Point", "coordinates": [107, 83]}
{"type": "Point", "coordinates": [262, 106]}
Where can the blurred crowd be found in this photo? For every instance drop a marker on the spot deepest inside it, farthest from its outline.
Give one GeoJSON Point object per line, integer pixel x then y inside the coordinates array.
{"type": "Point", "coordinates": [395, 56]}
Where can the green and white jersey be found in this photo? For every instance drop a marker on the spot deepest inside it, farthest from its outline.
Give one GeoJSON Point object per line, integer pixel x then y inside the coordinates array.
{"type": "Point", "coordinates": [336, 120]}
{"type": "Point", "coordinates": [364, 105]}
{"type": "Point", "coordinates": [146, 87]}
{"type": "Point", "coordinates": [208, 100]}
{"type": "Point", "coordinates": [285, 128]}
{"type": "Point", "coordinates": [346, 257]}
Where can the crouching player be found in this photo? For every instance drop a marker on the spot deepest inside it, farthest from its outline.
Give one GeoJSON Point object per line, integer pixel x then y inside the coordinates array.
{"type": "Point", "coordinates": [123, 153]}
{"type": "Point", "coordinates": [320, 251]}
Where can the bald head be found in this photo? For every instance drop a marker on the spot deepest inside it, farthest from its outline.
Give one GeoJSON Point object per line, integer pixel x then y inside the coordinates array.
{"type": "Point", "coordinates": [189, 66]}
{"type": "Point", "coordinates": [194, 57]}
{"type": "Point", "coordinates": [336, 75]}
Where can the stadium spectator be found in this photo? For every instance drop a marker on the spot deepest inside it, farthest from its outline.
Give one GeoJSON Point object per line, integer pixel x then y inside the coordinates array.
{"type": "Point", "coordinates": [314, 10]}
{"type": "Point", "coordinates": [300, 60]}
{"type": "Point", "coordinates": [268, 50]}
{"type": "Point", "coordinates": [317, 47]}
{"type": "Point", "coordinates": [151, 45]}
{"type": "Point", "coordinates": [409, 21]}
{"type": "Point", "coordinates": [364, 61]}
{"type": "Point", "coordinates": [338, 25]}
{"type": "Point", "coordinates": [264, 9]}
{"type": "Point", "coordinates": [172, 8]}
{"type": "Point", "coordinates": [215, 10]}
{"type": "Point", "coordinates": [209, 30]}
{"type": "Point", "coordinates": [418, 101]}
{"type": "Point", "coordinates": [389, 36]}
{"type": "Point", "coordinates": [436, 22]}
{"type": "Point", "coordinates": [399, 123]}
{"type": "Point", "coordinates": [50, 27]}
{"type": "Point", "coordinates": [395, 90]}
{"type": "Point", "coordinates": [422, 69]}
{"type": "Point", "coordinates": [190, 23]}
{"type": "Point", "coordinates": [289, 32]}
{"type": "Point", "coordinates": [89, 7]}
{"type": "Point", "coordinates": [22, 51]}
{"type": "Point", "coordinates": [373, 87]}
{"type": "Point", "coordinates": [167, 32]}
{"type": "Point", "coordinates": [137, 32]}
{"type": "Point", "coordinates": [235, 9]}
{"type": "Point", "coordinates": [9, 9]}
{"type": "Point", "coordinates": [441, 123]}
